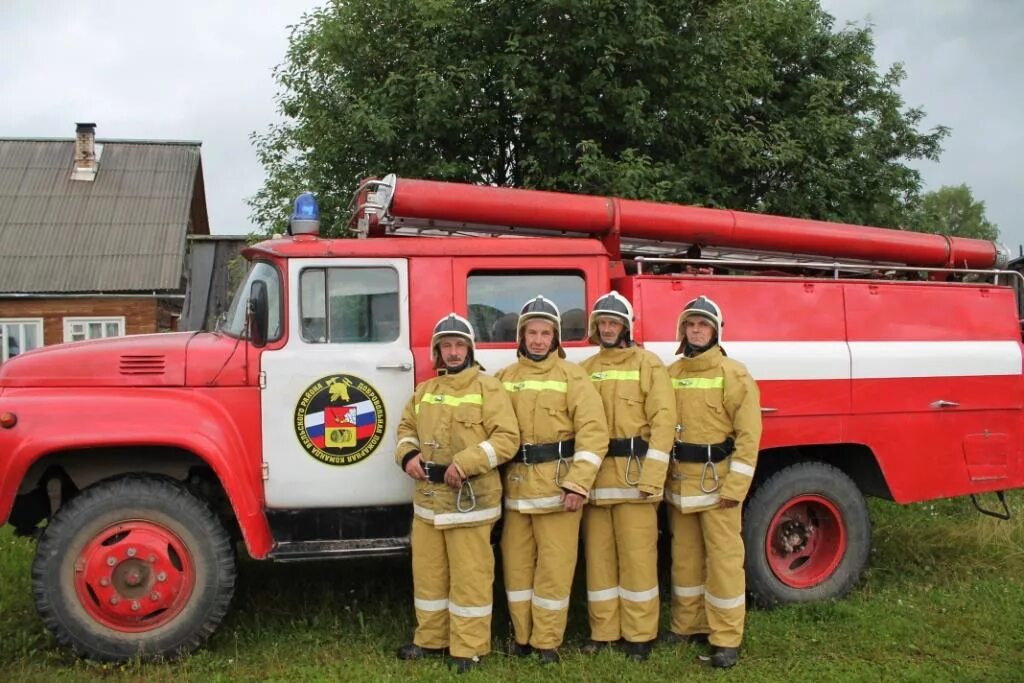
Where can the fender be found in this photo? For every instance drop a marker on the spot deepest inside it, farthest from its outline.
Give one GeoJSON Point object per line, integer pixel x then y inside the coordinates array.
{"type": "Point", "coordinates": [220, 427]}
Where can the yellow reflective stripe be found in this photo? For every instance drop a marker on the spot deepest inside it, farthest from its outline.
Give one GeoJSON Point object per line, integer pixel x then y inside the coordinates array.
{"type": "Point", "coordinates": [698, 383]}
{"type": "Point", "coordinates": [445, 399]}
{"type": "Point", "coordinates": [621, 375]}
{"type": "Point", "coordinates": [537, 385]}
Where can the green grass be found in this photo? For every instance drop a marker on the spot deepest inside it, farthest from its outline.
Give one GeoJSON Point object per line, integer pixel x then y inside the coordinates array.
{"type": "Point", "coordinates": [943, 600]}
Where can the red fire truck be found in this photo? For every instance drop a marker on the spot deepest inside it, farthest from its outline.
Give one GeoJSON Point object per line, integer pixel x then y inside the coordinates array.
{"type": "Point", "coordinates": [889, 365]}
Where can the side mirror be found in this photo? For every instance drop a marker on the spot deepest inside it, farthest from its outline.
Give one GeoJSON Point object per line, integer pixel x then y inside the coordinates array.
{"type": "Point", "coordinates": [257, 313]}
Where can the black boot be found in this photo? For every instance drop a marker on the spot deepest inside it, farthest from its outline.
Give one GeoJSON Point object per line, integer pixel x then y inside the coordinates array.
{"type": "Point", "coordinates": [518, 650]}
{"type": "Point", "coordinates": [638, 652]}
{"type": "Point", "coordinates": [549, 656]}
{"type": "Point", "coordinates": [724, 657]}
{"type": "Point", "coordinates": [414, 651]}
{"type": "Point", "coordinates": [689, 638]}
{"type": "Point", "coordinates": [592, 647]}
{"type": "Point", "coordinates": [464, 664]}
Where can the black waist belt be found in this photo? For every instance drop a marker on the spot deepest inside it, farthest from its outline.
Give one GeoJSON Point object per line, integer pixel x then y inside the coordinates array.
{"type": "Point", "coordinates": [435, 471]}
{"type": "Point", "coordinates": [621, 448]}
{"type": "Point", "coordinates": [536, 453]}
{"type": "Point", "coordinates": [702, 452]}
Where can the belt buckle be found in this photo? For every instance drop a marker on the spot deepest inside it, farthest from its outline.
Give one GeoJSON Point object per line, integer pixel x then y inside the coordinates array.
{"type": "Point", "coordinates": [522, 451]}
{"type": "Point", "coordinates": [427, 467]}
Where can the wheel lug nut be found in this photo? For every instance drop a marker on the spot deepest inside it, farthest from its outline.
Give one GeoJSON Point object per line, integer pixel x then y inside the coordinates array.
{"type": "Point", "coordinates": [162, 576]}
{"type": "Point", "coordinates": [114, 599]}
{"type": "Point", "coordinates": [135, 605]}
{"type": "Point", "coordinates": [151, 559]}
{"type": "Point", "coordinates": [104, 581]}
{"type": "Point", "coordinates": [131, 552]}
{"type": "Point", "coordinates": [111, 561]}
{"type": "Point", "coordinates": [154, 596]}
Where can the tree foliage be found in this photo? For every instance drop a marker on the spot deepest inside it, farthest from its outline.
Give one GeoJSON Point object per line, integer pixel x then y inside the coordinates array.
{"type": "Point", "coordinates": [759, 105]}
{"type": "Point", "coordinates": [953, 210]}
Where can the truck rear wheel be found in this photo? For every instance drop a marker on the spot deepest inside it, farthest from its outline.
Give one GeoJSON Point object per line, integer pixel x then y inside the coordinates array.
{"type": "Point", "coordinates": [134, 566]}
{"type": "Point", "coordinates": [807, 534]}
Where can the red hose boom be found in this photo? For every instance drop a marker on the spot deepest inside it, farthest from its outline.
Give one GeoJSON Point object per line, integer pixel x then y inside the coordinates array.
{"type": "Point", "coordinates": [441, 204]}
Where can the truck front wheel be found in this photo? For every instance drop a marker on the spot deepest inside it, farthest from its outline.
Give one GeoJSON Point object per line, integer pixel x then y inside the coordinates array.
{"type": "Point", "coordinates": [807, 534]}
{"type": "Point", "coordinates": [133, 567]}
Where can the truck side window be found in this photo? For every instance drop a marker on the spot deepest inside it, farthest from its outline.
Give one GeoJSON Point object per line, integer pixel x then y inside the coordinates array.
{"type": "Point", "coordinates": [348, 305]}
{"type": "Point", "coordinates": [495, 298]}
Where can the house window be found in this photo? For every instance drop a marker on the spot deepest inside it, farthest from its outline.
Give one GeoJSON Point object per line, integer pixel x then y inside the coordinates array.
{"type": "Point", "coordinates": [80, 329]}
{"type": "Point", "coordinates": [349, 305]}
{"type": "Point", "coordinates": [495, 299]}
{"type": "Point", "coordinates": [18, 335]}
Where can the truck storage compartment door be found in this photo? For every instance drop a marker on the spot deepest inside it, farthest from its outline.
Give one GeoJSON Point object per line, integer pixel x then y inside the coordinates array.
{"type": "Point", "coordinates": [790, 334]}
{"type": "Point", "coordinates": [936, 385]}
{"type": "Point", "coordinates": [335, 392]}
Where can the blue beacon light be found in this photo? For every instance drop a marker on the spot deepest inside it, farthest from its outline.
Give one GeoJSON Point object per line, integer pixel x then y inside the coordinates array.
{"type": "Point", "coordinates": [306, 217]}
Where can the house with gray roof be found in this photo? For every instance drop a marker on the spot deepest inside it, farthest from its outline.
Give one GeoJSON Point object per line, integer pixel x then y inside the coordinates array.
{"type": "Point", "coordinates": [94, 236]}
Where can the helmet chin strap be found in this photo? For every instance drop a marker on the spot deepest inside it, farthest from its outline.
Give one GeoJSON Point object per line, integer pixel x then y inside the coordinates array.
{"type": "Point", "coordinates": [622, 340]}
{"type": "Point", "coordinates": [535, 357]}
{"type": "Point", "coordinates": [689, 350]}
{"type": "Point", "coordinates": [445, 369]}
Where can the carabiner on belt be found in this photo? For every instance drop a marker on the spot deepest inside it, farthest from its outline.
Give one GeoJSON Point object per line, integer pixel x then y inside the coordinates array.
{"type": "Point", "coordinates": [633, 458]}
{"type": "Point", "coordinates": [468, 487]}
{"type": "Point", "coordinates": [714, 474]}
{"type": "Point", "coordinates": [558, 466]}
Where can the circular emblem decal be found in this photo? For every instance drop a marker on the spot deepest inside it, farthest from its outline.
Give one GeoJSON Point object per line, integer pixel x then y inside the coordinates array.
{"type": "Point", "coordinates": [340, 419]}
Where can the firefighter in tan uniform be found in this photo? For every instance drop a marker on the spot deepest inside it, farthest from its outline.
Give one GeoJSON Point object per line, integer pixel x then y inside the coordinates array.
{"type": "Point", "coordinates": [455, 431]}
{"type": "Point", "coordinates": [563, 439]}
{"type": "Point", "coordinates": [715, 452]}
{"type": "Point", "coordinates": [620, 523]}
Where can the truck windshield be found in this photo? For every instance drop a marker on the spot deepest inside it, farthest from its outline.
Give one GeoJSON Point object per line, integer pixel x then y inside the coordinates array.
{"type": "Point", "coordinates": [234, 323]}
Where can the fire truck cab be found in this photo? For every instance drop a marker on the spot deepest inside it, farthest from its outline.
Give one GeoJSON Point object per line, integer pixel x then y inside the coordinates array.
{"type": "Point", "coordinates": [890, 366]}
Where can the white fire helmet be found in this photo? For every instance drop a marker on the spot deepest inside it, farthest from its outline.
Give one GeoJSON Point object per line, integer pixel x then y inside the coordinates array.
{"type": "Point", "coordinates": [613, 305]}
{"type": "Point", "coordinates": [452, 325]}
{"type": "Point", "coordinates": [540, 308]}
{"type": "Point", "coordinates": [705, 308]}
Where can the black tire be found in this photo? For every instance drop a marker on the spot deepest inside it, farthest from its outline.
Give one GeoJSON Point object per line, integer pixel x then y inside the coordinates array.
{"type": "Point", "coordinates": [138, 503]}
{"type": "Point", "coordinates": [830, 492]}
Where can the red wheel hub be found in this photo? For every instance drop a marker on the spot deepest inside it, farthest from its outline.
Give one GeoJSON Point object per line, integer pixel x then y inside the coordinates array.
{"type": "Point", "coordinates": [806, 541]}
{"type": "Point", "coordinates": [134, 576]}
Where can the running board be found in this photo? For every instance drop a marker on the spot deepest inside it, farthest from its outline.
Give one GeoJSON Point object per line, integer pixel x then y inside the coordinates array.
{"type": "Point", "coordinates": [298, 551]}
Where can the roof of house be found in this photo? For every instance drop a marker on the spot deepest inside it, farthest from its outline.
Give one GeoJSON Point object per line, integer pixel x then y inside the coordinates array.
{"type": "Point", "coordinates": [124, 231]}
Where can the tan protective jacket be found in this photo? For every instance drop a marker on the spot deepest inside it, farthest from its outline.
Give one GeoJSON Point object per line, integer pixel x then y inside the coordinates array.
{"type": "Point", "coordinates": [465, 419]}
{"type": "Point", "coordinates": [554, 400]}
{"type": "Point", "coordinates": [716, 398]}
{"type": "Point", "coordinates": [637, 396]}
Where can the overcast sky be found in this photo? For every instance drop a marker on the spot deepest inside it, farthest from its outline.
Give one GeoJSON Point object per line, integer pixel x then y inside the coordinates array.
{"type": "Point", "coordinates": [201, 70]}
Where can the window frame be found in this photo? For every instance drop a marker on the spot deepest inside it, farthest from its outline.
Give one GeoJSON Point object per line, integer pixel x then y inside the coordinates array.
{"type": "Point", "coordinates": [70, 320]}
{"type": "Point", "coordinates": [38, 322]}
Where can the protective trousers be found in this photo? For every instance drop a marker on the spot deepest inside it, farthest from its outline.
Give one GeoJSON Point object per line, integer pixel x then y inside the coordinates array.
{"type": "Point", "coordinates": [621, 547]}
{"type": "Point", "coordinates": [453, 584]}
{"type": "Point", "coordinates": [708, 583]}
{"type": "Point", "coordinates": [538, 557]}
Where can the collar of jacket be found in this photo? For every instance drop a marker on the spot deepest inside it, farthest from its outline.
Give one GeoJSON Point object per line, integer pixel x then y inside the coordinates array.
{"type": "Point", "coordinates": [539, 366]}
{"type": "Point", "coordinates": [704, 361]}
{"type": "Point", "coordinates": [460, 380]}
{"type": "Point", "coordinates": [616, 355]}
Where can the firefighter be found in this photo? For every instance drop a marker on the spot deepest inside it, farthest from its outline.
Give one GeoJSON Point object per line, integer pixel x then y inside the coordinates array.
{"type": "Point", "coordinates": [716, 441]}
{"type": "Point", "coordinates": [563, 439]}
{"type": "Point", "coordinates": [620, 523]}
{"type": "Point", "coordinates": [455, 431]}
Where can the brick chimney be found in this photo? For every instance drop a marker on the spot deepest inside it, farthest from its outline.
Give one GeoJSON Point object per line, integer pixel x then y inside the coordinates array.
{"type": "Point", "coordinates": [87, 152]}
